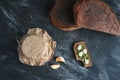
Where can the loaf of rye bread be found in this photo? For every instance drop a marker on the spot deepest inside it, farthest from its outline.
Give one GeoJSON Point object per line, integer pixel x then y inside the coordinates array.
{"type": "Point", "coordinates": [96, 15]}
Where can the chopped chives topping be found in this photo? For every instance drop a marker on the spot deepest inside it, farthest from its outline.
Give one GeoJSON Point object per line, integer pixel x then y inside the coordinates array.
{"type": "Point", "coordinates": [87, 58]}
{"type": "Point", "coordinates": [83, 46]}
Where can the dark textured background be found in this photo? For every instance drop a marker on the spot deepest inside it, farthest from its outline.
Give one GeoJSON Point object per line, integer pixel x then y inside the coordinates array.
{"type": "Point", "coordinates": [17, 16]}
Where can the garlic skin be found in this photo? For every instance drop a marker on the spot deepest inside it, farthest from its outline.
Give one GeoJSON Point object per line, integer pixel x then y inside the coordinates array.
{"type": "Point", "coordinates": [60, 59]}
{"type": "Point", "coordinates": [55, 66]}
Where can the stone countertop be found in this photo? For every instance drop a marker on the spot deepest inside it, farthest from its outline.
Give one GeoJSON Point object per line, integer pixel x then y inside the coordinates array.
{"type": "Point", "coordinates": [17, 16]}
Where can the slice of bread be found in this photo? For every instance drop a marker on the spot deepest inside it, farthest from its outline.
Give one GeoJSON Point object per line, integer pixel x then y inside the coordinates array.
{"type": "Point", "coordinates": [77, 56]}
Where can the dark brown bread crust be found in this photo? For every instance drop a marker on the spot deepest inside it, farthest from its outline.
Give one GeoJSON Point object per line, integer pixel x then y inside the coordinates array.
{"type": "Point", "coordinates": [62, 15]}
{"type": "Point", "coordinates": [96, 15]}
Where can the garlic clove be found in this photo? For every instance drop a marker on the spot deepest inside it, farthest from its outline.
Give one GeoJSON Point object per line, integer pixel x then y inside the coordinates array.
{"type": "Point", "coordinates": [79, 47]}
{"type": "Point", "coordinates": [60, 59]}
{"type": "Point", "coordinates": [55, 66]}
{"type": "Point", "coordinates": [85, 51]}
{"type": "Point", "coordinates": [87, 61]}
{"type": "Point", "coordinates": [80, 54]}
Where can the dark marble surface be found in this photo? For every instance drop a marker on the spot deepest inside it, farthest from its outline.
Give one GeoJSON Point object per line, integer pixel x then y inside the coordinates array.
{"type": "Point", "coordinates": [17, 16]}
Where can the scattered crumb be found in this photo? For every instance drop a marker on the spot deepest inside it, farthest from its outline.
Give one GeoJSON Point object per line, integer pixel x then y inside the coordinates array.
{"type": "Point", "coordinates": [98, 40]}
{"type": "Point", "coordinates": [30, 17]}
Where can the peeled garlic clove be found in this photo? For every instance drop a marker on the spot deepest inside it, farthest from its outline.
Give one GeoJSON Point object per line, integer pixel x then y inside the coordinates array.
{"type": "Point", "coordinates": [87, 61]}
{"type": "Point", "coordinates": [55, 66]}
{"type": "Point", "coordinates": [60, 59]}
{"type": "Point", "coordinates": [85, 51]}
{"type": "Point", "coordinates": [80, 54]}
{"type": "Point", "coordinates": [79, 47]}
